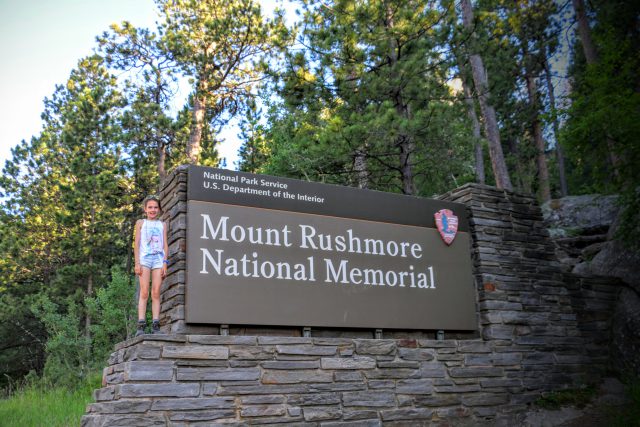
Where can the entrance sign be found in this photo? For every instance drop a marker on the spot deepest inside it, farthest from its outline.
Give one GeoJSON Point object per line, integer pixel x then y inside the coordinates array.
{"type": "Point", "coordinates": [264, 250]}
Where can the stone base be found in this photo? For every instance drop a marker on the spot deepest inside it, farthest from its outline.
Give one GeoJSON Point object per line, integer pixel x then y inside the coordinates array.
{"type": "Point", "coordinates": [242, 380]}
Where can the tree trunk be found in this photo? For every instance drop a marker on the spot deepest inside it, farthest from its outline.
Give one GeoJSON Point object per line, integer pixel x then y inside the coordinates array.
{"type": "Point", "coordinates": [536, 128]}
{"type": "Point", "coordinates": [160, 146]}
{"type": "Point", "coordinates": [197, 124]}
{"type": "Point", "coordinates": [162, 172]}
{"type": "Point", "coordinates": [403, 142]}
{"type": "Point", "coordinates": [477, 136]}
{"type": "Point", "coordinates": [584, 30]}
{"type": "Point", "coordinates": [360, 167]}
{"type": "Point", "coordinates": [480, 79]}
{"type": "Point", "coordinates": [556, 133]}
{"type": "Point", "coordinates": [87, 319]}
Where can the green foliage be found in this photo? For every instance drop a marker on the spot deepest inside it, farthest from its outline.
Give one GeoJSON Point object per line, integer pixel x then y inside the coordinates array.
{"type": "Point", "coordinates": [367, 104]}
{"type": "Point", "coordinates": [38, 403]}
{"type": "Point", "coordinates": [629, 414]}
{"type": "Point", "coordinates": [570, 397]}
{"type": "Point", "coordinates": [68, 348]}
{"type": "Point", "coordinates": [578, 397]}
{"type": "Point", "coordinates": [603, 122]}
{"type": "Point", "coordinates": [114, 311]}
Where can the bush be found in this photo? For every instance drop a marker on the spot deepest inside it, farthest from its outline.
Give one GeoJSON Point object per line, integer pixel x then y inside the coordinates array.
{"type": "Point", "coordinates": [71, 352]}
{"type": "Point", "coordinates": [114, 312]}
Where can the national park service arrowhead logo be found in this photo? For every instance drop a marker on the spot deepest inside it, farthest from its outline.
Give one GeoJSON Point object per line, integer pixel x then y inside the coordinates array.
{"type": "Point", "coordinates": [447, 224]}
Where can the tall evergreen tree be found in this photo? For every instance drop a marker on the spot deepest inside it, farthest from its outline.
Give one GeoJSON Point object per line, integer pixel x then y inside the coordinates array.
{"type": "Point", "coordinates": [217, 44]}
{"type": "Point", "coordinates": [368, 101]}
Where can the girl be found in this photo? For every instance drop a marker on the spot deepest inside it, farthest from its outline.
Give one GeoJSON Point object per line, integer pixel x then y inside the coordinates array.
{"type": "Point", "coordinates": [151, 251]}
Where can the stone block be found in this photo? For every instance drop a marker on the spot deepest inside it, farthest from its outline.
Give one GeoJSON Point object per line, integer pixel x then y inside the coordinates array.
{"type": "Point", "coordinates": [123, 406]}
{"type": "Point", "coordinates": [457, 388]}
{"type": "Point", "coordinates": [498, 332]}
{"type": "Point", "coordinates": [195, 416]}
{"type": "Point", "coordinates": [263, 411]}
{"type": "Point", "coordinates": [409, 414]}
{"type": "Point", "coordinates": [209, 389]}
{"type": "Point", "coordinates": [192, 404]}
{"type": "Point", "coordinates": [340, 342]}
{"type": "Point", "coordinates": [538, 358]}
{"type": "Point", "coordinates": [250, 352]}
{"type": "Point", "coordinates": [106, 393]}
{"type": "Point", "coordinates": [294, 411]}
{"type": "Point", "coordinates": [474, 347]}
{"type": "Point", "coordinates": [294, 377]}
{"type": "Point", "coordinates": [500, 382]}
{"type": "Point", "coordinates": [359, 415]}
{"type": "Point", "coordinates": [375, 347]}
{"type": "Point", "coordinates": [368, 398]}
{"type": "Point", "coordinates": [506, 359]}
{"type": "Point", "coordinates": [414, 386]}
{"type": "Point", "coordinates": [291, 364]}
{"type": "Point", "coordinates": [243, 363]}
{"type": "Point", "coordinates": [437, 343]}
{"type": "Point", "coordinates": [261, 400]}
{"type": "Point", "coordinates": [379, 384]}
{"type": "Point", "coordinates": [477, 360]}
{"type": "Point", "coordinates": [393, 373]}
{"type": "Point", "coordinates": [321, 413]}
{"type": "Point", "coordinates": [218, 374]}
{"type": "Point", "coordinates": [334, 387]}
{"type": "Point", "coordinates": [399, 364]}
{"type": "Point", "coordinates": [485, 399]}
{"type": "Point", "coordinates": [356, 362]}
{"type": "Point", "coordinates": [268, 340]}
{"type": "Point", "coordinates": [438, 400]}
{"type": "Point", "coordinates": [430, 370]}
{"type": "Point", "coordinates": [121, 420]}
{"type": "Point", "coordinates": [232, 390]}
{"type": "Point", "coordinates": [314, 399]}
{"type": "Point", "coordinates": [473, 372]}
{"type": "Point", "coordinates": [159, 390]}
{"type": "Point", "coordinates": [347, 376]}
{"type": "Point", "coordinates": [148, 371]}
{"type": "Point", "coordinates": [416, 354]}
{"type": "Point", "coordinates": [196, 352]}
{"type": "Point", "coordinates": [360, 423]}
{"type": "Point", "coordinates": [307, 350]}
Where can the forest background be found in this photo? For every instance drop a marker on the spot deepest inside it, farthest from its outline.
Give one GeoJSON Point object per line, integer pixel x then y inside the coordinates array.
{"type": "Point", "coordinates": [409, 96]}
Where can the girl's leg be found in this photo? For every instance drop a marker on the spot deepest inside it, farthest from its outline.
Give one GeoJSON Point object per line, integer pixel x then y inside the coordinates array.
{"type": "Point", "coordinates": [156, 283]}
{"type": "Point", "coordinates": [144, 293]}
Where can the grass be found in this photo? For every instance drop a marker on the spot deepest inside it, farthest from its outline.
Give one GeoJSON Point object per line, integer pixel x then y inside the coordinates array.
{"type": "Point", "coordinates": [41, 405]}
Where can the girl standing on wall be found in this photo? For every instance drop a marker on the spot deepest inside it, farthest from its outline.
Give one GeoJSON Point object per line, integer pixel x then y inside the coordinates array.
{"type": "Point", "coordinates": [151, 252]}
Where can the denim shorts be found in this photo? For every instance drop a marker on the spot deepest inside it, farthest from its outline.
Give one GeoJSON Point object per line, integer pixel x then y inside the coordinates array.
{"type": "Point", "coordinates": [152, 261]}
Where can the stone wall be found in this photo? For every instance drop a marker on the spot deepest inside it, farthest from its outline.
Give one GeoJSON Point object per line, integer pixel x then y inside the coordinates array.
{"type": "Point", "coordinates": [540, 329]}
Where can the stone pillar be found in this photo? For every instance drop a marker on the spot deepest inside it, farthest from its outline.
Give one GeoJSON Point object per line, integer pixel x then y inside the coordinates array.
{"type": "Point", "coordinates": [529, 308]}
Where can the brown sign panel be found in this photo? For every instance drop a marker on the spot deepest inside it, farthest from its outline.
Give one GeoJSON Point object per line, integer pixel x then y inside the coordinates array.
{"type": "Point", "coordinates": [258, 260]}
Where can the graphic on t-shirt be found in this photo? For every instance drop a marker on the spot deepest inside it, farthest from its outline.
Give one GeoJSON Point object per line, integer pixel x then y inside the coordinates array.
{"type": "Point", "coordinates": [154, 240]}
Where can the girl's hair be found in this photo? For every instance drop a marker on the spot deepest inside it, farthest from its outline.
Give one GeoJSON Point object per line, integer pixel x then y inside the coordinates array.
{"type": "Point", "coordinates": [151, 198]}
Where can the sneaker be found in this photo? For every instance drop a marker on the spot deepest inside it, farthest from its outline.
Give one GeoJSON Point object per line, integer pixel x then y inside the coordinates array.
{"type": "Point", "coordinates": [155, 327]}
{"type": "Point", "coordinates": [141, 325]}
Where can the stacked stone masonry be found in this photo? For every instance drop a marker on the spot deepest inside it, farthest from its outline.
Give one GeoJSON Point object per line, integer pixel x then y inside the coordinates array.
{"type": "Point", "coordinates": [539, 329]}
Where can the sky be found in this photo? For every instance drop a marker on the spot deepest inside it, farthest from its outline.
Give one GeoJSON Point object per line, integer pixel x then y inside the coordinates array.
{"type": "Point", "coordinates": [41, 41]}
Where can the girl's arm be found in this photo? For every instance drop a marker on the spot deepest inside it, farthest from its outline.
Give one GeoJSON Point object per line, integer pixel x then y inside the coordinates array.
{"type": "Point", "coordinates": [136, 246]}
{"type": "Point", "coordinates": [166, 248]}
